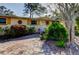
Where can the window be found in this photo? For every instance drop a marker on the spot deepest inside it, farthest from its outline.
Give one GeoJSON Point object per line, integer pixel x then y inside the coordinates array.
{"type": "Point", "coordinates": [2, 20]}
{"type": "Point", "coordinates": [33, 22]}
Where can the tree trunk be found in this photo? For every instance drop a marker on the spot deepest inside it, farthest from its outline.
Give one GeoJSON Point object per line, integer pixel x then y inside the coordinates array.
{"type": "Point", "coordinates": [30, 14]}
{"type": "Point", "coordinates": [71, 32]}
{"type": "Point", "coordinates": [67, 23]}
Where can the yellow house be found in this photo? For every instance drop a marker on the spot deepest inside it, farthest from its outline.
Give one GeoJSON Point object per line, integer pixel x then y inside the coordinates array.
{"type": "Point", "coordinates": [12, 20]}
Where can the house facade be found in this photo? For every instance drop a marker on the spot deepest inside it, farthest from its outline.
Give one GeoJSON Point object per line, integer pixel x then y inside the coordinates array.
{"type": "Point", "coordinates": [13, 20]}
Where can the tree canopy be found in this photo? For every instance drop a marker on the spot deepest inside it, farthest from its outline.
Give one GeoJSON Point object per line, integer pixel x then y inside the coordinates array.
{"type": "Point", "coordinates": [34, 9]}
{"type": "Point", "coordinates": [5, 11]}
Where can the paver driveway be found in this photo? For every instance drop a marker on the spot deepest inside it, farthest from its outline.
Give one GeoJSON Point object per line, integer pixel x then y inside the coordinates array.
{"type": "Point", "coordinates": [32, 45]}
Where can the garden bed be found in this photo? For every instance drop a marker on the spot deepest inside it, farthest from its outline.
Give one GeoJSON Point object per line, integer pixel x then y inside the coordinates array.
{"type": "Point", "coordinates": [16, 31]}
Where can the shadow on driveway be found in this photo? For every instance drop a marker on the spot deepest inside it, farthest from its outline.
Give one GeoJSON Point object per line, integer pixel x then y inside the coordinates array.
{"type": "Point", "coordinates": [21, 38]}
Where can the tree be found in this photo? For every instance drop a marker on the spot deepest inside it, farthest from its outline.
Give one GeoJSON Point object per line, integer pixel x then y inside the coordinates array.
{"type": "Point", "coordinates": [69, 12]}
{"type": "Point", "coordinates": [55, 14]}
{"type": "Point", "coordinates": [34, 8]}
{"type": "Point", "coordinates": [8, 12]}
{"type": "Point", "coordinates": [5, 11]}
{"type": "Point", "coordinates": [2, 8]}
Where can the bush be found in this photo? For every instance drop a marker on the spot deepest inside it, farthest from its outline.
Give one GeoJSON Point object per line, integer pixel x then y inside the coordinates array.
{"type": "Point", "coordinates": [31, 30]}
{"type": "Point", "coordinates": [77, 23]}
{"type": "Point", "coordinates": [56, 32]}
{"type": "Point", "coordinates": [1, 31]}
{"type": "Point", "coordinates": [60, 43]}
{"type": "Point", "coordinates": [17, 31]}
{"type": "Point", "coordinates": [77, 27]}
{"type": "Point", "coordinates": [76, 31]}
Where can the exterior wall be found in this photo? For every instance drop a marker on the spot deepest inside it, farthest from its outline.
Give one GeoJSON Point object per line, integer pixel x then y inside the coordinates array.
{"type": "Point", "coordinates": [40, 23]}
{"type": "Point", "coordinates": [43, 22]}
{"type": "Point", "coordinates": [15, 21]}
{"type": "Point", "coordinates": [50, 21]}
{"type": "Point", "coordinates": [2, 25]}
{"type": "Point", "coordinates": [25, 21]}
{"type": "Point", "coordinates": [29, 21]}
{"type": "Point", "coordinates": [8, 21]}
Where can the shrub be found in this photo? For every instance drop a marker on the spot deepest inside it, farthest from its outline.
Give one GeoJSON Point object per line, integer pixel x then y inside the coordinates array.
{"type": "Point", "coordinates": [16, 31]}
{"type": "Point", "coordinates": [77, 23]}
{"type": "Point", "coordinates": [31, 30]}
{"type": "Point", "coordinates": [77, 27]}
{"type": "Point", "coordinates": [56, 32]}
{"type": "Point", "coordinates": [60, 43]}
{"type": "Point", "coordinates": [1, 31]}
{"type": "Point", "coordinates": [76, 31]}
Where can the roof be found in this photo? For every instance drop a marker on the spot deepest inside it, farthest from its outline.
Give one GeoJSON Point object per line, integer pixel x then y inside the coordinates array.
{"type": "Point", "coordinates": [13, 16]}
{"type": "Point", "coordinates": [39, 18]}
{"type": "Point", "coordinates": [43, 18]}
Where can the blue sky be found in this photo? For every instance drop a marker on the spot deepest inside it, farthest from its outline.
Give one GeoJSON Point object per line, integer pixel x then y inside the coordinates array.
{"type": "Point", "coordinates": [16, 7]}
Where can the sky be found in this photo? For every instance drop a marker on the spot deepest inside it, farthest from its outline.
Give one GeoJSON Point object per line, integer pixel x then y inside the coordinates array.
{"type": "Point", "coordinates": [16, 7]}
